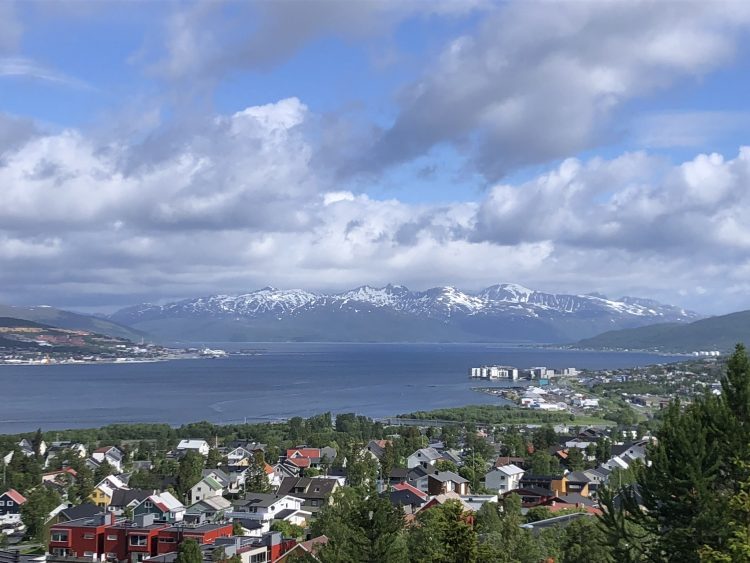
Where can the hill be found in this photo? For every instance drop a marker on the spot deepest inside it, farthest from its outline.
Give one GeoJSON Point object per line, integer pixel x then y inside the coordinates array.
{"type": "Point", "coordinates": [714, 333]}
{"type": "Point", "coordinates": [73, 321]}
{"type": "Point", "coordinates": [500, 313]}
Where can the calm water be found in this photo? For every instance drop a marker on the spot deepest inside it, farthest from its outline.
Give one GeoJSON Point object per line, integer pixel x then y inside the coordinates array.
{"type": "Point", "coordinates": [284, 380]}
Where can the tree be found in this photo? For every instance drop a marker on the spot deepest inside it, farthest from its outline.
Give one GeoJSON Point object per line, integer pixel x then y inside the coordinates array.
{"type": "Point", "coordinates": [543, 463]}
{"type": "Point", "coordinates": [287, 529]}
{"type": "Point", "coordinates": [214, 458]}
{"type": "Point", "coordinates": [696, 470]}
{"type": "Point", "coordinates": [256, 478]}
{"type": "Point", "coordinates": [189, 551]}
{"type": "Point", "coordinates": [387, 461]}
{"type": "Point", "coordinates": [361, 526]}
{"type": "Point", "coordinates": [442, 534]}
{"type": "Point", "coordinates": [189, 471]}
{"type": "Point", "coordinates": [237, 529]}
{"type": "Point", "coordinates": [36, 442]}
{"type": "Point", "coordinates": [537, 513]}
{"type": "Point", "coordinates": [104, 469]}
{"type": "Point", "coordinates": [575, 459]}
{"type": "Point", "coordinates": [544, 437]}
{"type": "Point", "coordinates": [506, 541]}
{"type": "Point", "coordinates": [35, 512]}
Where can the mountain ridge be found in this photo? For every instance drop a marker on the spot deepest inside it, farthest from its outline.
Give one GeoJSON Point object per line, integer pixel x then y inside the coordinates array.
{"type": "Point", "coordinates": [446, 313]}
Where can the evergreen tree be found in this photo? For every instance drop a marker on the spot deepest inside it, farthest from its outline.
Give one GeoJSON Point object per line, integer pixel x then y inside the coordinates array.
{"type": "Point", "coordinates": [104, 469]}
{"type": "Point", "coordinates": [189, 552]}
{"type": "Point", "coordinates": [443, 535]}
{"type": "Point", "coordinates": [189, 471]}
{"type": "Point", "coordinates": [35, 512]}
{"type": "Point", "coordinates": [575, 461]}
{"type": "Point", "coordinates": [256, 479]}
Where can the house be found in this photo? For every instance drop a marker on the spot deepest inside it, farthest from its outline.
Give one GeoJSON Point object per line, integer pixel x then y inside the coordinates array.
{"type": "Point", "coordinates": [376, 448]}
{"type": "Point", "coordinates": [304, 551]}
{"type": "Point", "coordinates": [477, 501]}
{"type": "Point", "coordinates": [285, 468]}
{"type": "Point", "coordinates": [503, 479]}
{"type": "Point", "coordinates": [102, 493]}
{"type": "Point", "coordinates": [211, 509]}
{"type": "Point", "coordinates": [27, 447]}
{"type": "Point", "coordinates": [445, 497]}
{"type": "Point", "coordinates": [205, 488]}
{"type": "Point", "coordinates": [110, 454]}
{"type": "Point", "coordinates": [314, 492]}
{"type": "Point", "coordinates": [268, 507]}
{"type": "Point", "coordinates": [200, 446]}
{"type": "Point", "coordinates": [556, 484]}
{"type": "Point", "coordinates": [597, 478]}
{"type": "Point", "coordinates": [407, 496]}
{"type": "Point", "coordinates": [447, 482]}
{"type": "Point", "coordinates": [424, 457]}
{"type": "Point", "coordinates": [10, 506]}
{"type": "Point", "coordinates": [532, 496]}
{"type": "Point", "coordinates": [304, 457]}
{"type": "Point", "coordinates": [239, 457]}
{"type": "Point", "coordinates": [128, 499]}
{"type": "Point", "coordinates": [578, 483]}
{"type": "Point", "coordinates": [164, 505]}
{"type": "Point", "coordinates": [85, 510]}
{"type": "Point", "coordinates": [61, 477]}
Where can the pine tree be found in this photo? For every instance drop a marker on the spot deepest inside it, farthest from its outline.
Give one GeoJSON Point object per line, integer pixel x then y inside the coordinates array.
{"type": "Point", "coordinates": [189, 552]}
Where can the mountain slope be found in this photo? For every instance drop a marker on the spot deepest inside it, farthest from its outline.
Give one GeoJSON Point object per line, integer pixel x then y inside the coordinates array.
{"type": "Point", "coordinates": [501, 313]}
{"type": "Point", "coordinates": [713, 333]}
{"type": "Point", "coordinates": [72, 321]}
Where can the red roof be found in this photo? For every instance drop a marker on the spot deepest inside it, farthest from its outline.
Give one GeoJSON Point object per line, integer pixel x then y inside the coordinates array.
{"type": "Point", "coordinates": [299, 461]}
{"type": "Point", "coordinates": [15, 496]}
{"type": "Point", "coordinates": [408, 487]}
{"type": "Point", "coordinates": [268, 469]}
{"type": "Point", "coordinates": [303, 452]}
{"type": "Point", "coordinates": [103, 450]}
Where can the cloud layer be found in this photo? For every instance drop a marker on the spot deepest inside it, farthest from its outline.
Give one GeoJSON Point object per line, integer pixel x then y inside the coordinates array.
{"type": "Point", "coordinates": [238, 205]}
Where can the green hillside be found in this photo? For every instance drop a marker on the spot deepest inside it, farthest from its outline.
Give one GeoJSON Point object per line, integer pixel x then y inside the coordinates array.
{"type": "Point", "coordinates": [713, 333]}
{"type": "Point", "coordinates": [72, 321]}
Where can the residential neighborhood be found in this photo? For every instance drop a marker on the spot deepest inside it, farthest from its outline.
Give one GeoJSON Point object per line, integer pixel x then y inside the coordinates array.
{"type": "Point", "coordinates": [261, 501]}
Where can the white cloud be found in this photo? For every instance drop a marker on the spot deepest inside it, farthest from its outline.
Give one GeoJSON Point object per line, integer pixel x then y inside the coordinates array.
{"type": "Point", "coordinates": [19, 67]}
{"type": "Point", "coordinates": [541, 80]}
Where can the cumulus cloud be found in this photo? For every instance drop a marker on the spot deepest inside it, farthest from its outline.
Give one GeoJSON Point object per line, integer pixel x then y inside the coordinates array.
{"type": "Point", "coordinates": [238, 205]}
{"type": "Point", "coordinates": [541, 80]}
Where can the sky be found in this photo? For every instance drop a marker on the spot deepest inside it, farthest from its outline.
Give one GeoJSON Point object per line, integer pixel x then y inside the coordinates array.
{"type": "Point", "coordinates": [157, 150]}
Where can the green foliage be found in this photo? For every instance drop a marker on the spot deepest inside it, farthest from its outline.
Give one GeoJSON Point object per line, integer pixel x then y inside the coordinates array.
{"type": "Point", "coordinates": [538, 513]}
{"type": "Point", "coordinates": [287, 529]}
{"type": "Point", "coordinates": [35, 512]}
{"type": "Point", "coordinates": [256, 479]}
{"type": "Point", "coordinates": [189, 471]}
{"type": "Point", "coordinates": [361, 526]}
{"type": "Point", "coordinates": [491, 414]}
{"type": "Point", "coordinates": [237, 529]}
{"type": "Point", "coordinates": [697, 467]}
{"type": "Point", "coordinates": [575, 461]}
{"type": "Point", "coordinates": [214, 458]}
{"type": "Point", "coordinates": [443, 535]}
{"type": "Point", "coordinates": [543, 463]}
{"type": "Point", "coordinates": [189, 552]}
{"type": "Point", "coordinates": [104, 469]}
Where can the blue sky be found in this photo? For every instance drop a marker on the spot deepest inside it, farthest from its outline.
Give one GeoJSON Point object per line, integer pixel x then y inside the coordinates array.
{"type": "Point", "coordinates": [156, 150]}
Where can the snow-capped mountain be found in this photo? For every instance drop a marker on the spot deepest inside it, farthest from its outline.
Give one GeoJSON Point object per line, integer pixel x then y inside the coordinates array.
{"type": "Point", "coordinates": [498, 313]}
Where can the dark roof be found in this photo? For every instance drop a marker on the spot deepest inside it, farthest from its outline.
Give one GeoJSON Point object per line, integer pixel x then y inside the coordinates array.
{"type": "Point", "coordinates": [263, 500]}
{"type": "Point", "coordinates": [405, 498]}
{"type": "Point", "coordinates": [123, 497]}
{"type": "Point", "coordinates": [577, 477]}
{"type": "Point", "coordinates": [249, 524]}
{"type": "Point", "coordinates": [311, 487]}
{"type": "Point", "coordinates": [281, 514]}
{"type": "Point", "coordinates": [540, 491]}
{"type": "Point", "coordinates": [399, 473]}
{"type": "Point", "coordinates": [575, 498]}
{"type": "Point", "coordinates": [86, 510]}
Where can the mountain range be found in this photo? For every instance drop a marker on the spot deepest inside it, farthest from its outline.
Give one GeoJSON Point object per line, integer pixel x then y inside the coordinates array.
{"type": "Point", "coordinates": [500, 313]}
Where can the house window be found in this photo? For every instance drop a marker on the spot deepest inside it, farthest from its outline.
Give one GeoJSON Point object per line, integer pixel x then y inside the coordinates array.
{"type": "Point", "coordinates": [111, 537]}
{"type": "Point", "coordinates": [9, 503]}
{"type": "Point", "coordinates": [139, 541]}
{"type": "Point", "coordinates": [148, 504]}
{"type": "Point", "coordinates": [258, 558]}
{"type": "Point", "coordinates": [2, 503]}
{"type": "Point", "coordinates": [60, 536]}
{"type": "Point", "coordinates": [167, 540]}
{"type": "Point", "coordinates": [313, 503]}
{"type": "Point", "coordinates": [88, 536]}
{"type": "Point", "coordinates": [88, 553]}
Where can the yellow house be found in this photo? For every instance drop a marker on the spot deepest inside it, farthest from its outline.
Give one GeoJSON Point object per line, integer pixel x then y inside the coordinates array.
{"type": "Point", "coordinates": [102, 494]}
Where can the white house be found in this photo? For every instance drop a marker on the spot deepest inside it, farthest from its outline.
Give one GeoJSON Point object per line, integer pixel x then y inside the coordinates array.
{"type": "Point", "coordinates": [200, 446]}
{"type": "Point", "coordinates": [110, 454]}
{"type": "Point", "coordinates": [424, 457]}
{"type": "Point", "coordinates": [266, 507]}
{"type": "Point", "coordinates": [503, 479]}
{"type": "Point", "coordinates": [205, 488]}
